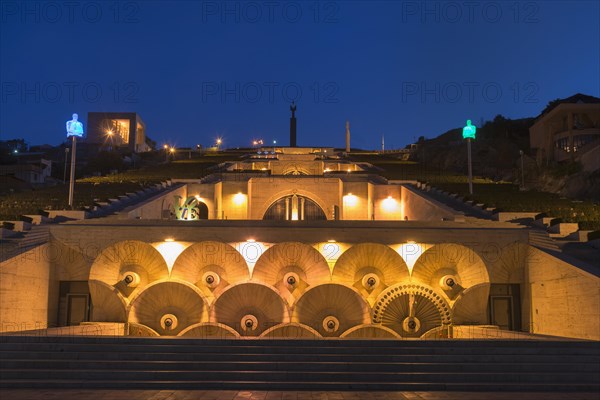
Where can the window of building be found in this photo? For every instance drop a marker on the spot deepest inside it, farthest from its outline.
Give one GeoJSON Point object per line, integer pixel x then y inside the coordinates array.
{"type": "Point", "coordinates": [293, 208]}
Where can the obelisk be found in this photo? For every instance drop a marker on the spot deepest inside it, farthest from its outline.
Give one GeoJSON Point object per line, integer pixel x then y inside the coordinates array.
{"type": "Point", "coordinates": [293, 125]}
{"type": "Point", "coordinates": [347, 136]}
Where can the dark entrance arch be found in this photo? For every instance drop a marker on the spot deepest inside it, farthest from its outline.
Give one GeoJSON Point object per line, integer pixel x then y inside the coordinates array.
{"type": "Point", "coordinates": [202, 210]}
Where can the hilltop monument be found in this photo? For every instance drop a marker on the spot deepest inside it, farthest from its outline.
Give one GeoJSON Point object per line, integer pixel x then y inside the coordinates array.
{"type": "Point", "coordinates": [293, 125]}
{"type": "Point", "coordinates": [347, 136]}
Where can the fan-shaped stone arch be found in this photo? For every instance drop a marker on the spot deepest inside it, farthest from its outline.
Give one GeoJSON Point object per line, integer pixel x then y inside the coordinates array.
{"type": "Point", "coordinates": [370, 268]}
{"type": "Point", "coordinates": [140, 330]}
{"type": "Point", "coordinates": [291, 331]}
{"type": "Point", "coordinates": [411, 310]}
{"type": "Point", "coordinates": [211, 266]}
{"type": "Point", "coordinates": [209, 330]}
{"type": "Point", "coordinates": [331, 309]}
{"type": "Point", "coordinates": [370, 331]}
{"type": "Point", "coordinates": [168, 307]}
{"type": "Point", "coordinates": [291, 267]}
{"type": "Point", "coordinates": [108, 304]}
{"type": "Point", "coordinates": [471, 307]}
{"type": "Point", "coordinates": [509, 266]}
{"type": "Point", "coordinates": [450, 268]}
{"type": "Point", "coordinates": [129, 266]}
{"type": "Point", "coordinates": [250, 308]}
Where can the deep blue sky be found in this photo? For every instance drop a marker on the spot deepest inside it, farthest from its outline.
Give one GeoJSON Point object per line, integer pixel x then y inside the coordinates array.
{"type": "Point", "coordinates": [380, 65]}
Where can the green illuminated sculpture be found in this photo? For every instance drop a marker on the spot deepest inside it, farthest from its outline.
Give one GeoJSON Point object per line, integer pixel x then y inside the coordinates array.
{"type": "Point", "coordinates": [188, 210]}
{"type": "Point", "coordinates": [469, 131]}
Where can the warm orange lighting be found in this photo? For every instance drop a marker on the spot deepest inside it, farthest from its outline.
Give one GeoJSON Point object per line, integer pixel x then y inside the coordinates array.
{"type": "Point", "coordinates": [109, 132]}
{"type": "Point", "coordinates": [331, 241]}
{"type": "Point", "coordinates": [170, 250]}
{"type": "Point", "coordinates": [239, 199]}
{"type": "Point", "coordinates": [165, 147]}
{"type": "Point", "coordinates": [350, 200]}
{"type": "Point", "coordinates": [172, 150]}
{"type": "Point", "coordinates": [199, 198]}
{"type": "Point", "coordinates": [389, 204]}
{"type": "Point", "coordinates": [411, 251]}
{"type": "Point", "coordinates": [250, 240]}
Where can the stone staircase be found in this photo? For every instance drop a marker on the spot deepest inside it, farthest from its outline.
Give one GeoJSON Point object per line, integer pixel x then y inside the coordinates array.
{"type": "Point", "coordinates": [542, 240]}
{"type": "Point", "coordinates": [180, 363]}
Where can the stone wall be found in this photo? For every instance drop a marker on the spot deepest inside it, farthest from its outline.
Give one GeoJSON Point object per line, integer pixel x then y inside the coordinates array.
{"type": "Point", "coordinates": [565, 300]}
{"type": "Point", "coordinates": [28, 290]}
{"type": "Point", "coordinates": [419, 208]}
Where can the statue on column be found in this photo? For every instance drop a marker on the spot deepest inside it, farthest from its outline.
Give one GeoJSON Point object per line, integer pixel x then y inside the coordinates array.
{"type": "Point", "coordinates": [74, 127]}
{"type": "Point", "coordinates": [293, 109]}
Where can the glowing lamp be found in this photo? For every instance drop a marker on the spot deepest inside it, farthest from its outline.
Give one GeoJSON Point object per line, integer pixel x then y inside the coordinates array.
{"type": "Point", "coordinates": [389, 204]}
{"type": "Point", "coordinates": [239, 199]}
{"type": "Point", "coordinates": [350, 200]}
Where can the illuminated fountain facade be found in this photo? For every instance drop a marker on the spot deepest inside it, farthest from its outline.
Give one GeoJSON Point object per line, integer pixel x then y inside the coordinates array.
{"type": "Point", "coordinates": [290, 243]}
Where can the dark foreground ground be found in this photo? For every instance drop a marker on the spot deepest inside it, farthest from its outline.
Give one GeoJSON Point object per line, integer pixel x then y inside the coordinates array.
{"type": "Point", "coordinates": [26, 394]}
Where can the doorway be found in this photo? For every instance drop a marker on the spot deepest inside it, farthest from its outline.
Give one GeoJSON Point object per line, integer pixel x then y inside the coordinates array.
{"type": "Point", "coordinates": [505, 306]}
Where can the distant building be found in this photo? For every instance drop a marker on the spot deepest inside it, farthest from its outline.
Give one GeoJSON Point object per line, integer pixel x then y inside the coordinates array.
{"type": "Point", "coordinates": [35, 173]}
{"type": "Point", "coordinates": [117, 130]}
{"type": "Point", "coordinates": [568, 129]}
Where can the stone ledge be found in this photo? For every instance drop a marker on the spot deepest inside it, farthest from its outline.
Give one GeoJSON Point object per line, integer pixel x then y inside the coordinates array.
{"type": "Point", "coordinates": [67, 214]}
{"type": "Point", "coordinates": [508, 216]}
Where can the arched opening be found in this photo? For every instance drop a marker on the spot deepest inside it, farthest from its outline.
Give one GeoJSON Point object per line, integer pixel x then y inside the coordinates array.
{"type": "Point", "coordinates": [294, 208]}
{"type": "Point", "coordinates": [202, 210]}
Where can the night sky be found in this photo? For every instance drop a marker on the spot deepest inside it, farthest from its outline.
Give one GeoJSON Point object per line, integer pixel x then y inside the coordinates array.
{"type": "Point", "coordinates": [198, 70]}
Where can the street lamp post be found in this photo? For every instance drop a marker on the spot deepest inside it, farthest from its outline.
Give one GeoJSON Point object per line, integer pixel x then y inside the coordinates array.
{"type": "Point", "coordinates": [166, 147]}
{"type": "Point", "coordinates": [109, 133]}
{"type": "Point", "coordinates": [469, 133]}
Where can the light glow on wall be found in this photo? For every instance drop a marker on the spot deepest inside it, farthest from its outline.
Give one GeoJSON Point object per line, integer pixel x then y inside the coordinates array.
{"type": "Point", "coordinates": [331, 251]}
{"type": "Point", "coordinates": [390, 204]}
{"type": "Point", "coordinates": [350, 200]}
{"type": "Point", "coordinates": [239, 199]}
{"type": "Point", "coordinates": [170, 250]}
{"type": "Point", "coordinates": [411, 251]}
{"type": "Point", "coordinates": [251, 250]}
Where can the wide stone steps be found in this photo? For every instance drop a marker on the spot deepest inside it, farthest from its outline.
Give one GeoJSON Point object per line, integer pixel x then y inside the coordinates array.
{"type": "Point", "coordinates": [332, 366]}
{"type": "Point", "coordinates": [180, 363]}
{"type": "Point", "coordinates": [274, 358]}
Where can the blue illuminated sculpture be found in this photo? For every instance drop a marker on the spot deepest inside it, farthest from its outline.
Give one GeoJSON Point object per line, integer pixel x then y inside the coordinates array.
{"type": "Point", "coordinates": [74, 127]}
